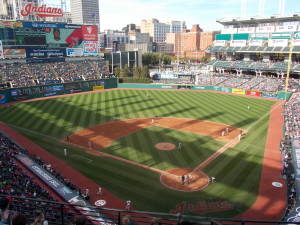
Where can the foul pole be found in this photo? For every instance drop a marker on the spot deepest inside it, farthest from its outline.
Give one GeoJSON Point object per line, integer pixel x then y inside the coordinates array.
{"type": "Point", "coordinates": [289, 68]}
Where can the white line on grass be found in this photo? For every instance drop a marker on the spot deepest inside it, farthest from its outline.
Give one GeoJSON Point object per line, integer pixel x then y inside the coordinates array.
{"type": "Point", "coordinates": [81, 157]}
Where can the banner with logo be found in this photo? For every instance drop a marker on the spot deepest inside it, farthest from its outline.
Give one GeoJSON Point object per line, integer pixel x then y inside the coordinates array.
{"type": "Point", "coordinates": [269, 94]}
{"type": "Point", "coordinates": [14, 53]}
{"type": "Point", "coordinates": [45, 53]}
{"type": "Point", "coordinates": [74, 52]}
{"type": "Point", "coordinates": [286, 28]}
{"type": "Point", "coordinates": [51, 25]}
{"type": "Point", "coordinates": [223, 89]}
{"type": "Point", "coordinates": [238, 43]}
{"type": "Point", "coordinates": [219, 42]}
{"type": "Point", "coordinates": [229, 31]}
{"type": "Point", "coordinates": [253, 93]}
{"type": "Point", "coordinates": [261, 36]}
{"type": "Point", "coordinates": [246, 30]}
{"type": "Point", "coordinates": [281, 35]}
{"type": "Point", "coordinates": [238, 91]}
{"type": "Point", "coordinates": [3, 98]}
{"type": "Point", "coordinates": [278, 42]}
{"type": "Point", "coordinates": [98, 88]}
{"type": "Point", "coordinates": [41, 11]}
{"type": "Point", "coordinates": [255, 42]}
{"type": "Point", "coordinates": [90, 48]}
{"type": "Point", "coordinates": [10, 24]}
{"type": "Point", "coordinates": [296, 42]}
{"type": "Point", "coordinates": [1, 50]}
{"type": "Point", "coordinates": [89, 33]}
{"type": "Point", "coordinates": [265, 29]}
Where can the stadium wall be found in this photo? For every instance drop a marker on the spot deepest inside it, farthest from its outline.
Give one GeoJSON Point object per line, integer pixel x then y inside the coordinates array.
{"type": "Point", "coordinates": [273, 95]}
{"type": "Point", "coordinates": [54, 89]}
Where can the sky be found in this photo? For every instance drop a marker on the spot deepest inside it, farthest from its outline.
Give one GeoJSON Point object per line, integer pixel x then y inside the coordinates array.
{"type": "Point", "coordinates": [116, 14]}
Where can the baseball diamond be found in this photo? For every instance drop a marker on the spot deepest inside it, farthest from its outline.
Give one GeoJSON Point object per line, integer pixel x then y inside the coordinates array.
{"type": "Point", "coordinates": [125, 156]}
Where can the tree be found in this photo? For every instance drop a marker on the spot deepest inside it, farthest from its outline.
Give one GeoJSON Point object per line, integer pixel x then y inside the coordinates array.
{"type": "Point", "coordinates": [117, 71]}
{"type": "Point", "coordinates": [125, 71]}
{"type": "Point", "coordinates": [136, 72]}
{"type": "Point", "coordinates": [144, 72]}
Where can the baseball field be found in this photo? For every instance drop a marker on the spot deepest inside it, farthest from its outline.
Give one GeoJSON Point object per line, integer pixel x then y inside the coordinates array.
{"type": "Point", "coordinates": [134, 136]}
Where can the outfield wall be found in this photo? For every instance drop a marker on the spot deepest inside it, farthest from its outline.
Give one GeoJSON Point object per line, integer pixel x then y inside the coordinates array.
{"type": "Point", "coordinates": [272, 95]}
{"type": "Point", "coordinates": [54, 89]}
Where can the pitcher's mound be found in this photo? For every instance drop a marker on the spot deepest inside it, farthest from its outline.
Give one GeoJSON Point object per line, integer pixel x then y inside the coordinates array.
{"type": "Point", "coordinates": [165, 146]}
{"type": "Point", "coordinates": [172, 179]}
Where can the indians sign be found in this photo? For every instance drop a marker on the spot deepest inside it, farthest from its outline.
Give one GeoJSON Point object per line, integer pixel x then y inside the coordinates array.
{"type": "Point", "coordinates": [41, 11]}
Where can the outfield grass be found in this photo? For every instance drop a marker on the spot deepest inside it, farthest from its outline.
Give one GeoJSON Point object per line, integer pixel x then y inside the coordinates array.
{"type": "Point", "coordinates": [238, 169]}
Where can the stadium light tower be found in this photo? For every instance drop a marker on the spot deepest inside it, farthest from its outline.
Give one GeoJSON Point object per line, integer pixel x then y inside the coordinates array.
{"type": "Point", "coordinates": [261, 8]}
{"type": "Point", "coordinates": [243, 9]}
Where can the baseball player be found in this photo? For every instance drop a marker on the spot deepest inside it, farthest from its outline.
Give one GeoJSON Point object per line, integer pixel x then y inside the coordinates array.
{"type": "Point", "coordinates": [99, 191]}
{"type": "Point", "coordinates": [128, 204]}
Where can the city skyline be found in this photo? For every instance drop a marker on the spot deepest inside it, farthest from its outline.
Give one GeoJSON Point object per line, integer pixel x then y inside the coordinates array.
{"type": "Point", "coordinates": [116, 14]}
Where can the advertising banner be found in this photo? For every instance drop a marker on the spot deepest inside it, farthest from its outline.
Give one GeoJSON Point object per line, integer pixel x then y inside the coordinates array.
{"type": "Point", "coordinates": [90, 48]}
{"type": "Point", "coordinates": [14, 53]}
{"type": "Point", "coordinates": [168, 87]}
{"type": "Point", "coordinates": [89, 33]}
{"type": "Point", "coordinates": [203, 87]}
{"type": "Point", "coordinates": [265, 29]}
{"type": "Point", "coordinates": [246, 30]}
{"type": "Point", "coordinates": [3, 98]}
{"type": "Point", "coordinates": [255, 42]}
{"type": "Point", "coordinates": [263, 36]}
{"type": "Point", "coordinates": [253, 93]}
{"type": "Point", "coordinates": [238, 91]}
{"type": "Point", "coordinates": [269, 95]}
{"type": "Point", "coordinates": [98, 88]}
{"type": "Point", "coordinates": [296, 42]}
{"type": "Point", "coordinates": [281, 35]}
{"type": "Point", "coordinates": [238, 43]}
{"type": "Point", "coordinates": [45, 53]}
{"type": "Point", "coordinates": [219, 42]}
{"type": "Point", "coordinates": [74, 52]}
{"type": "Point", "coordinates": [1, 50]}
{"type": "Point", "coordinates": [229, 31]}
{"type": "Point", "coordinates": [10, 24]}
{"type": "Point", "coordinates": [223, 89]}
{"type": "Point", "coordinates": [296, 35]}
{"type": "Point", "coordinates": [278, 42]}
{"type": "Point", "coordinates": [51, 25]}
{"type": "Point", "coordinates": [45, 60]}
{"type": "Point", "coordinates": [41, 11]}
{"type": "Point", "coordinates": [286, 28]}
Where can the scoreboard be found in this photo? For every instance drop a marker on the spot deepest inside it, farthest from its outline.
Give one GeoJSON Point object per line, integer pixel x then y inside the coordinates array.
{"type": "Point", "coordinates": [36, 36]}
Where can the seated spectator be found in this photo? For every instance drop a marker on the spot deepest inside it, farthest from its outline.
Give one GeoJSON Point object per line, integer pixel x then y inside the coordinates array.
{"type": "Point", "coordinates": [81, 220]}
{"type": "Point", "coordinates": [127, 220]}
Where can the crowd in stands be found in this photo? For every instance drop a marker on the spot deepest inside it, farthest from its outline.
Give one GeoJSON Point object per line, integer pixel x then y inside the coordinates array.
{"type": "Point", "coordinates": [18, 183]}
{"type": "Point", "coordinates": [22, 74]}
{"type": "Point", "coordinates": [292, 130]}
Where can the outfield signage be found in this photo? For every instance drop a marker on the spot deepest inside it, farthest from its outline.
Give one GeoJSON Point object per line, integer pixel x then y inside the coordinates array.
{"type": "Point", "coordinates": [278, 42]}
{"type": "Point", "coordinates": [263, 36]}
{"type": "Point", "coordinates": [168, 87]}
{"type": "Point", "coordinates": [238, 43]}
{"type": "Point", "coordinates": [238, 91]}
{"type": "Point", "coordinates": [246, 30]}
{"type": "Point", "coordinates": [51, 25]}
{"type": "Point", "coordinates": [90, 48]}
{"type": "Point", "coordinates": [219, 42]}
{"type": "Point", "coordinates": [286, 28]}
{"type": "Point", "coordinates": [253, 93]}
{"type": "Point", "coordinates": [14, 53]}
{"type": "Point", "coordinates": [74, 52]}
{"type": "Point", "coordinates": [45, 60]}
{"type": "Point", "coordinates": [269, 95]}
{"type": "Point", "coordinates": [203, 88]}
{"type": "Point", "coordinates": [45, 53]}
{"type": "Point", "coordinates": [265, 29]}
{"type": "Point", "coordinates": [41, 11]}
{"type": "Point", "coordinates": [296, 42]}
{"type": "Point", "coordinates": [3, 98]}
{"type": "Point", "coordinates": [10, 24]}
{"type": "Point", "coordinates": [255, 42]}
{"type": "Point", "coordinates": [61, 189]}
{"type": "Point", "coordinates": [281, 35]}
{"type": "Point", "coordinates": [1, 50]}
{"type": "Point", "coordinates": [229, 31]}
{"type": "Point", "coordinates": [98, 88]}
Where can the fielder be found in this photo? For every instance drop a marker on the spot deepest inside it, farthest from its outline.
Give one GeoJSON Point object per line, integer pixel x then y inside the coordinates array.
{"type": "Point", "coordinates": [128, 204]}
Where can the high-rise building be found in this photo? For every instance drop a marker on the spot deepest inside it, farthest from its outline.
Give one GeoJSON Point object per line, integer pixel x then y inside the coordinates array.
{"type": "Point", "coordinates": [158, 30]}
{"type": "Point", "coordinates": [85, 11]}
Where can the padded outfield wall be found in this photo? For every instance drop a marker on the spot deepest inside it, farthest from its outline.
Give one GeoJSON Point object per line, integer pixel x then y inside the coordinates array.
{"type": "Point", "coordinates": [53, 89]}
{"type": "Point", "coordinates": [273, 95]}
